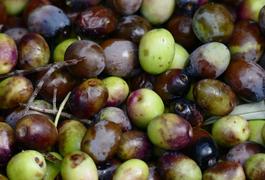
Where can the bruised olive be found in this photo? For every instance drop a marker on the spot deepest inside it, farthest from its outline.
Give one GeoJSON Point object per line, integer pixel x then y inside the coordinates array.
{"type": "Point", "coordinates": [172, 84]}
{"type": "Point", "coordinates": [93, 62]}
{"type": "Point", "coordinates": [132, 28]}
{"type": "Point", "coordinates": [14, 90]}
{"type": "Point", "coordinates": [209, 60]}
{"type": "Point", "coordinates": [247, 79]}
{"type": "Point", "coordinates": [121, 57]}
{"type": "Point", "coordinates": [88, 98]}
{"type": "Point", "coordinates": [255, 167]}
{"type": "Point", "coordinates": [230, 130]}
{"type": "Point", "coordinates": [214, 96]}
{"type": "Point", "coordinates": [179, 166]}
{"type": "Point", "coordinates": [246, 42]}
{"type": "Point", "coordinates": [101, 140]}
{"type": "Point", "coordinates": [134, 144]}
{"type": "Point", "coordinates": [7, 143]}
{"type": "Point", "coordinates": [174, 131]}
{"type": "Point", "coordinates": [188, 110]}
{"type": "Point", "coordinates": [225, 170]}
{"type": "Point", "coordinates": [241, 152]}
{"type": "Point", "coordinates": [96, 21]}
{"type": "Point", "coordinates": [36, 131]}
{"type": "Point", "coordinates": [213, 22]}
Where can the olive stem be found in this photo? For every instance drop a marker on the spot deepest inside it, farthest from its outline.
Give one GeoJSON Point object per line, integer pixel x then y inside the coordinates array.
{"type": "Point", "coordinates": [58, 115]}
{"type": "Point", "coordinates": [54, 99]}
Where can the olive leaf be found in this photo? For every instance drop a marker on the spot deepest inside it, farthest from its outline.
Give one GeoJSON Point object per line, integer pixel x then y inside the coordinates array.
{"type": "Point", "coordinates": [248, 111]}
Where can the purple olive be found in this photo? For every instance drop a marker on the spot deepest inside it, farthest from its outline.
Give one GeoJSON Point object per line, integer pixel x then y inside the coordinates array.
{"type": "Point", "coordinates": [7, 143]}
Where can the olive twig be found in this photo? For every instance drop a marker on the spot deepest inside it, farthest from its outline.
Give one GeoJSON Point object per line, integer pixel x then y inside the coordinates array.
{"type": "Point", "coordinates": [54, 99]}
{"type": "Point", "coordinates": [58, 115]}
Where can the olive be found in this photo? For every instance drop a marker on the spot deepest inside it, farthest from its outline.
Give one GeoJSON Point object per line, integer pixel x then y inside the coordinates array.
{"type": "Point", "coordinates": [134, 145]}
{"type": "Point", "coordinates": [142, 80]}
{"type": "Point", "coordinates": [36, 131]}
{"type": "Point", "coordinates": [209, 60]}
{"type": "Point", "coordinates": [256, 130]}
{"type": "Point", "coordinates": [14, 7]}
{"type": "Point", "coordinates": [132, 169]}
{"type": "Point", "coordinates": [96, 21]}
{"type": "Point", "coordinates": [78, 165]}
{"type": "Point", "coordinates": [99, 148]}
{"type": "Point", "coordinates": [8, 53]}
{"type": "Point", "coordinates": [172, 84]}
{"type": "Point", "coordinates": [132, 28]}
{"type": "Point", "coordinates": [246, 42]}
{"type": "Point", "coordinates": [174, 131]}
{"type": "Point", "coordinates": [250, 9]}
{"type": "Point", "coordinates": [33, 51]}
{"type": "Point", "coordinates": [78, 5]}
{"type": "Point", "coordinates": [230, 130]}
{"type": "Point", "coordinates": [180, 59]}
{"type": "Point", "coordinates": [59, 51]}
{"type": "Point", "coordinates": [88, 98]}
{"type": "Point", "coordinates": [262, 19]}
{"type": "Point", "coordinates": [27, 164]}
{"type": "Point", "coordinates": [255, 166]}
{"type": "Point", "coordinates": [225, 170]}
{"type": "Point", "coordinates": [70, 135]}
{"type": "Point", "coordinates": [93, 62]}
{"type": "Point", "coordinates": [214, 96]}
{"type": "Point", "coordinates": [190, 6]}
{"type": "Point", "coordinates": [241, 152]}
{"type": "Point", "coordinates": [14, 90]}
{"type": "Point", "coordinates": [213, 22]}
{"type": "Point", "coordinates": [179, 166]}
{"type": "Point", "coordinates": [16, 33]}
{"type": "Point", "coordinates": [53, 168]}
{"type": "Point", "coordinates": [107, 169]}
{"type": "Point", "coordinates": [127, 7]}
{"type": "Point", "coordinates": [247, 79]}
{"type": "Point", "coordinates": [189, 110]}
{"type": "Point", "coordinates": [7, 143]}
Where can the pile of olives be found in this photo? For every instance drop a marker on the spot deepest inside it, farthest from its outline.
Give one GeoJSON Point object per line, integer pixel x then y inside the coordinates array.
{"type": "Point", "coordinates": [126, 89]}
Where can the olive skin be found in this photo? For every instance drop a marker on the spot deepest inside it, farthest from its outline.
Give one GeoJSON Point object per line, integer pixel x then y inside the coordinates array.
{"type": "Point", "coordinates": [225, 170]}
{"type": "Point", "coordinates": [213, 22]}
{"type": "Point", "coordinates": [142, 80]}
{"type": "Point", "coordinates": [255, 167]}
{"type": "Point", "coordinates": [241, 152]}
{"type": "Point", "coordinates": [8, 53]}
{"type": "Point", "coordinates": [175, 132]}
{"type": "Point", "coordinates": [36, 131]}
{"type": "Point", "coordinates": [88, 98]}
{"type": "Point", "coordinates": [134, 144]}
{"type": "Point", "coordinates": [16, 33]}
{"type": "Point", "coordinates": [132, 28]}
{"type": "Point", "coordinates": [209, 60]}
{"type": "Point", "coordinates": [127, 7]}
{"type": "Point", "coordinates": [246, 41]}
{"type": "Point", "coordinates": [242, 76]}
{"type": "Point", "coordinates": [121, 57]}
{"type": "Point", "coordinates": [96, 21]}
{"type": "Point", "coordinates": [178, 166]}
{"type": "Point", "coordinates": [7, 143]}
{"type": "Point", "coordinates": [33, 51]}
{"type": "Point", "coordinates": [101, 149]}
{"type": "Point", "coordinates": [214, 96]}
{"type": "Point", "coordinates": [14, 90]}
{"type": "Point", "coordinates": [93, 62]}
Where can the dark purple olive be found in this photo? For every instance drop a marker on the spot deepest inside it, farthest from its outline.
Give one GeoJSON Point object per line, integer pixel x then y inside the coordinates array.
{"type": "Point", "coordinates": [241, 152]}
{"type": "Point", "coordinates": [93, 62]}
{"type": "Point", "coordinates": [48, 20]}
{"type": "Point", "coordinates": [96, 21]}
{"type": "Point", "coordinates": [78, 5]}
{"type": "Point", "coordinates": [188, 110]}
{"type": "Point", "coordinates": [7, 143]}
{"type": "Point", "coordinates": [190, 6]}
{"type": "Point", "coordinates": [178, 166]}
{"type": "Point", "coordinates": [134, 145]}
{"type": "Point", "coordinates": [121, 57]}
{"type": "Point", "coordinates": [247, 79]}
{"type": "Point", "coordinates": [262, 20]}
{"type": "Point", "coordinates": [204, 152]}
{"type": "Point", "coordinates": [60, 80]}
{"type": "Point", "coordinates": [33, 51]}
{"type": "Point", "coordinates": [127, 7]}
{"type": "Point", "coordinates": [36, 131]}
{"type": "Point", "coordinates": [107, 169]}
{"type": "Point", "coordinates": [142, 80]}
{"type": "Point", "coordinates": [88, 98]}
{"type": "Point", "coordinates": [101, 141]}
{"type": "Point", "coordinates": [132, 28]}
{"type": "Point", "coordinates": [246, 42]}
{"type": "Point", "coordinates": [172, 84]}
{"type": "Point", "coordinates": [16, 33]}
{"type": "Point", "coordinates": [181, 28]}
{"type": "Point", "coordinates": [153, 172]}
{"type": "Point", "coordinates": [225, 170]}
